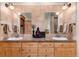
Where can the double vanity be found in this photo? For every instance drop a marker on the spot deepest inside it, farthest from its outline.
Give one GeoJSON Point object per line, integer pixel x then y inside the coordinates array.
{"type": "Point", "coordinates": [53, 28]}
{"type": "Point", "coordinates": [37, 47]}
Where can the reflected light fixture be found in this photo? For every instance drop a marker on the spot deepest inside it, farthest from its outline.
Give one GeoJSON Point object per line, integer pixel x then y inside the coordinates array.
{"type": "Point", "coordinates": [9, 5]}
{"type": "Point", "coordinates": [64, 7]}
{"type": "Point", "coordinates": [57, 13]}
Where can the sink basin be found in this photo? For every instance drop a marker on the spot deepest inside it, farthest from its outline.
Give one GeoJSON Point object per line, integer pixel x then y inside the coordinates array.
{"type": "Point", "coordinates": [15, 38]}
{"type": "Point", "coordinates": [59, 38]}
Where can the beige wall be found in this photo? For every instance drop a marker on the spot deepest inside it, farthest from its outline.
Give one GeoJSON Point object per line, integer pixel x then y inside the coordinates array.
{"type": "Point", "coordinates": [69, 16]}
{"type": "Point", "coordinates": [11, 16]}
{"type": "Point", "coordinates": [37, 12]}
{"type": "Point", "coordinates": [77, 29]}
{"type": "Point", "coordinates": [7, 16]}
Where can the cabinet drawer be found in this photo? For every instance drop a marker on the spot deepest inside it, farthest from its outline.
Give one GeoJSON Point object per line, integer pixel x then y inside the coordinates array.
{"type": "Point", "coordinates": [16, 52]}
{"type": "Point", "coordinates": [2, 52]}
{"type": "Point", "coordinates": [10, 44]}
{"type": "Point", "coordinates": [8, 52]}
{"type": "Point", "coordinates": [45, 52]}
{"type": "Point", "coordinates": [65, 52]}
{"type": "Point", "coordinates": [29, 52]}
{"type": "Point", "coordinates": [45, 44]}
{"type": "Point", "coordinates": [70, 45]}
{"type": "Point", "coordinates": [3, 44]}
{"type": "Point", "coordinates": [29, 44]}
{"type": "Point", "coordinates": [14, 44]}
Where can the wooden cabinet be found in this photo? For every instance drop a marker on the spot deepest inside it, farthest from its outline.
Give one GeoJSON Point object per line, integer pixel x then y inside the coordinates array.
{"type": "Point", "coordinates": [65, 52]}
{"type": "Point", "coordinates": [29, 52]}
{"type": "Point", "coordinates": [9, 49]}
{"type": "Point", "coordinates": [67, 49]}
{"type": "Point", "coordinates": [2, 51]}
{"type": "Point", "coordinates": [29, 44]}
{"type": "Point", "coordinates": [46, 44]}
{"type": "Point", "coordinates": [16, 51]}
{"type": "Point", "coordinates": [40, 49]}
{"type": "Point", "coordinates": [29, 49]}
{"type": "Point", "coordinates": [45, 49]}
{"type": "Point", "coordinates": [45, 52]}
{"type": "Point", "coordinates": [65, 44]}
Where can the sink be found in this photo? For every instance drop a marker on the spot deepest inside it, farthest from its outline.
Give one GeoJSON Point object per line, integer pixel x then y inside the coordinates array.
{"type": "Point", "coordinates": [15, 38]}
{"type": "Point", "coordinates": [59, 38]}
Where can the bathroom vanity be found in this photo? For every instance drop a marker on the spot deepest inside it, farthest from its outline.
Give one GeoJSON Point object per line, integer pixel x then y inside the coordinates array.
{"type": "Point", "coordinates": [57, 29]}
{"type": "Point", "coordinates": [38, 48]}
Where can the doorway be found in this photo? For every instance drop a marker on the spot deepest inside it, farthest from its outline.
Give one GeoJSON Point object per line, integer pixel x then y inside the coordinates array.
{"type": "Point", "coordinates": [22, 24]}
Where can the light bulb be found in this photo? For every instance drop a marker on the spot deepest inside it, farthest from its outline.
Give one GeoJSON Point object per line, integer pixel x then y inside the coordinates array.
{"type": "Point", "coordinates": [11, 7]}
{"type": "Point", "coordinates": [64, 7]}
{"type": "Point", "coordinates": [57, 13]}
{"type": "Point", "coordinates": [19, 13]}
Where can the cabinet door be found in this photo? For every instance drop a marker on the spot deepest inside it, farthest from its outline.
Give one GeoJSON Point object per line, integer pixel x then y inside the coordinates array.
{"type": "Point", "coordinates": [65, 52]}
{"type": "Point", "coordinates": [16, 51]}
{"type": "Point", "coordinates": [8, 51]}
{"type": "Point", "coordinates": [43, 52]}
{"type": "Point", "coordinates": [29, 52]}
{"type": "Point", "coordinates": [2, 51]}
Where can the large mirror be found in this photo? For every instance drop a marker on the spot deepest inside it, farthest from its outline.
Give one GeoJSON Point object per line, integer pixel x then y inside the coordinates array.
{"type": "Point", "coordinates": [49, 18]}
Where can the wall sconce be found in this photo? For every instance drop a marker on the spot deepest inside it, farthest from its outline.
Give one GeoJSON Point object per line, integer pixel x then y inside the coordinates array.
{"type": "Point", "coordinates": [66, 6]}
{"type": "Point", "coordinates": [9, 5]}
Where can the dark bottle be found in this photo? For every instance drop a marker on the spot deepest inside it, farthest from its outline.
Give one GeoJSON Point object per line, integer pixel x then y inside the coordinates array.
{"type": "Point", "coordinates": [38, 33]}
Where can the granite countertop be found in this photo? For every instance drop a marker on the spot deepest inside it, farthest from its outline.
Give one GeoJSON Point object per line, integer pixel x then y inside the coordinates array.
{"type": "Point", "coordinates": [38, 40]}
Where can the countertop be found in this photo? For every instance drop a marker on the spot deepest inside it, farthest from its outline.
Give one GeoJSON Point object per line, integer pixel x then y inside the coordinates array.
{"type": "Point", "coordinates": [38, 40]}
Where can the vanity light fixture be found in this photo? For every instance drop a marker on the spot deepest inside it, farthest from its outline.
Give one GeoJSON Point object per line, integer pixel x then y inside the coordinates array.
{"type": "Point", "coordinates": [69, 4]}
{"type": "Point", "coordinates": [9, 5]}
{"type": "Point", "coordinates": [66, 6]}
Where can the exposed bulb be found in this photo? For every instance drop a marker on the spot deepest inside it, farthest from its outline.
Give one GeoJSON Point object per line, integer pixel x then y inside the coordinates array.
{"type": "Point", "coordinates": [64, 7]}
{"type": "Point", "coordinates": [11, 7]}
{"type": "Point", "coordinates": [57, 13]}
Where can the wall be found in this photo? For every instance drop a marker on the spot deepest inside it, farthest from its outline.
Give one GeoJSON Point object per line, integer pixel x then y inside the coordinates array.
{"type": "Point", "coordinates": [69, 16]}
{"type": "Point", "coordinates": [37, 12]}
{"type": "Point", "coordinates": [77, 29]}
{"type": "Point", "coordinates": [7, 16]}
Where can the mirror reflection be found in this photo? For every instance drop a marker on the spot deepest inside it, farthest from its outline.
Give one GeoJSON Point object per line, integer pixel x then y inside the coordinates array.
{"type": "Point", "coordinates": [40, 20]}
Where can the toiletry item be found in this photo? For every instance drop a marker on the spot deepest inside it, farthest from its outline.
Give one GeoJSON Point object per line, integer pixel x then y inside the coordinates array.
{"type": "Point", "coordinates": [61, 28]}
